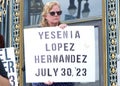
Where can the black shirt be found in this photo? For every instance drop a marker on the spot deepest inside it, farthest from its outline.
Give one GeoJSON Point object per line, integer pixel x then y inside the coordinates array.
{"type": "Point", "coordinates": [2, 70]}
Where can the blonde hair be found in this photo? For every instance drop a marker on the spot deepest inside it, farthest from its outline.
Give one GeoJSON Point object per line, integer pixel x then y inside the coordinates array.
{"type": "Point", "coordinates": [48, 6]}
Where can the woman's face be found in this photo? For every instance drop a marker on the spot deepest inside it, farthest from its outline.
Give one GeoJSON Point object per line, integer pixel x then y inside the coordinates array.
{"type": "Point", "coordinates": [53, 17]}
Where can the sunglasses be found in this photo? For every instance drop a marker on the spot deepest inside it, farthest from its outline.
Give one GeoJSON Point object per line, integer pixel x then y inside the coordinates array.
{"type": "Point", "coordinates": [52, 13]}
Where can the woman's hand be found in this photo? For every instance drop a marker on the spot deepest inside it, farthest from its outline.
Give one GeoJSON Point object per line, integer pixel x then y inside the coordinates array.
{"type": "Point", "coordinates": [62, 26]}
{"type": "Point", "coordinates": [48, 83]}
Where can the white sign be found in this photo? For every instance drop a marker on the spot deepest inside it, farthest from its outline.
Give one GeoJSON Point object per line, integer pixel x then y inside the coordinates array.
{"type": "Point", "coordinates": [60, 55]}
{"type": "Point", "coordinates": [8, 59]}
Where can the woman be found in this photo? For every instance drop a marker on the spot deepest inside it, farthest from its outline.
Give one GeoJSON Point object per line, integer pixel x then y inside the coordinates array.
{"type": "Point", "coordinates": [3, 74]}
{"type": "Point", "coordinates": [51, 18]}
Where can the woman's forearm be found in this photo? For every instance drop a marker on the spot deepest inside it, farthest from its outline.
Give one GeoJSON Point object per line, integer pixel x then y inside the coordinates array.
{"type": "Point", "coordinates": [4, 81]}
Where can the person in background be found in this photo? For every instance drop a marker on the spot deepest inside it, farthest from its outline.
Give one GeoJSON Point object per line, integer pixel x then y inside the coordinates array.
{"type": "Point", "coordinates": [1, 41]}
{"type": "Point", "coordinates": [51, 18]}
{"type": "Point", "coordinates": [4, 81]}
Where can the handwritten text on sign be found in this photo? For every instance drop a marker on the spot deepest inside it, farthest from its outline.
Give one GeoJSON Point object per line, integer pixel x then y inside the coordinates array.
{"type": "Point", "coordinates": [60, 55]}
{"type": "Point", "coordinates": [8, 59]}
